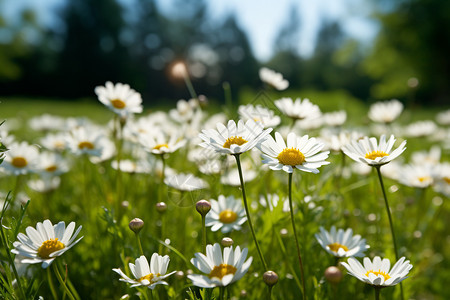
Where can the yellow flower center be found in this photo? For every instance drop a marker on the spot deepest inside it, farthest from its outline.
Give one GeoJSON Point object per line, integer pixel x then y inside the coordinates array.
{"type": "Point", "coordinates": [58, 145]}
{"type": "Point", "coordinates": [227, 216]}
{"type": "Point", "coordinates": [374, 154]}
{"type": "Point", "coordinates": [149, 277]}
{"type": "Point", "coordinates": [234, 140]}
{"type": "Point", "coordinates": [117, 103]}
{"type": "Point", "coordinates": [447, 180]}
{"type": "Point", "coordinates": [51, 168]}
{"type": "Point", "coordinates": [19, 162]}
{"type": "Point", "coordinates": [85, 145]}
{"type": "Point", "coordinates": [386, 276]}
{"type": "Point", "coordinates": [291, 157]}
{"type": "Point", "coordinates": [159, 146]}
{"type": "Point", "coordinates": [335, 247]}
{"type": "Point", "coordinates": [49, 246]}
{"type": "Point", "coordinates": [222, 270]}
{"type": "Point", "coordinates": [424, 178]}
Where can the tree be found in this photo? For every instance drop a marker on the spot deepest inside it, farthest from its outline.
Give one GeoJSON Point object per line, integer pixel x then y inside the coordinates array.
{"type": "Point", "coordinates": [414, 41]}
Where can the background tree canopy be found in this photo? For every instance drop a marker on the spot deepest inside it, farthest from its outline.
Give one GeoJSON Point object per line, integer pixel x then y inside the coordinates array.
{"type": "Point", "coordinates": [97, 41]}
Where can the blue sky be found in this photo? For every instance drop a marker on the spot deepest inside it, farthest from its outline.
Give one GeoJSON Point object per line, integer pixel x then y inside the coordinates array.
{"type": "Point", "coordinates": [261, 19]}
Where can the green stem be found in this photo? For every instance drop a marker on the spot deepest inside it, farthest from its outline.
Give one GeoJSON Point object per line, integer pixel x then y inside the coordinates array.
{"type": "Point", "coordinates": [161, 219]}
{"type": "Point", "coordinates": [138, 238]}
{"type": "Point", "coordinates": [250, 224]}
{"type": "Point", "coordinates": [291, 208]}
{"type": "Point", "coordinates": [221, 292]}
{"type": "Point", "coordinates": [391, 224]}
{"type": "Point", "coordinates": [204, 233]}
{"type": "Point", "coordinates": [377, 293]}
{"type": "Point", "coordinates": [336, 261]}
{"type": "Point", "coordinates": [119, 142]}
{"type": "Point", "coordinates": [269, 294]}
{"type": "Point", "coordinates": [17, 187]}
{"type": "Point", "coordinates": [388, 212]}
{"type": "Point", "coordinates": [150, 292]}
{"type": "Point", "coordinates": [67, 280]}
{"type": "Point", "coordinates": [51, 285]}
{"type": "Point", "coordinates": [11, 259]}
{"type": "Point", "coordinates": [189, 85]}
{"type": "Point", "coordinates": [62, 282]}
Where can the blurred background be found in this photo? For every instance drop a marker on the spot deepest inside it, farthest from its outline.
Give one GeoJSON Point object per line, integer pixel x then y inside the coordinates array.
{"type": "Point", "coordinates": [372, 49]}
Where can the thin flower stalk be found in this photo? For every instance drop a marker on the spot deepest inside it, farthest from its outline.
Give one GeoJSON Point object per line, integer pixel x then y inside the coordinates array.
{"type": "Point", "coordinates": [391, 224]}
{"type": "Point", "coordinates": [291, 209]}
{"type": "Point", "coordinates": [250, 224]}
{"type": "Point", "coordinates": [63, 283]}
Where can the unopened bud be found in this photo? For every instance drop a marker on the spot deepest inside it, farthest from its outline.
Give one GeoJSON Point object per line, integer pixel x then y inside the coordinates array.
{"type": "Point", "coordinates": [270, 278]}
{"type": "Point", "coordinates": [136, 225]}
{"type": "Point", "coordinates": [203, 207]}
{"type": "Point", "coordinates": [227, 242]}
{"type": "Point", "coordinates": [161, 207]}
{"type": "Point", "coordinates": [243, 294]}
{"type": "Point", "coordinates": [333, 274]}
{"type": "Point", "coordinates": [284, 232]}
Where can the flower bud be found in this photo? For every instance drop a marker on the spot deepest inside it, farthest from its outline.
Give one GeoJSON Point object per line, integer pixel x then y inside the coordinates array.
{"type": "Point", "coordinates": [227, 242]}
{"type": "Point", "coordinates": [270, 278]}
{"type": "Point", "coordinates": [136, 225]}
{"type": "Point", "coordinates": [203, 207]}
{"type": "Point", "coordinates": [161, 207]}
{"type": "Point", "coordinates": [333, 274]}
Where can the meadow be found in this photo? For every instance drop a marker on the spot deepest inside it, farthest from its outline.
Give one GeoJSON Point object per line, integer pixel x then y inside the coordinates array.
{"type": "Point", "coordinates": [132, 166]}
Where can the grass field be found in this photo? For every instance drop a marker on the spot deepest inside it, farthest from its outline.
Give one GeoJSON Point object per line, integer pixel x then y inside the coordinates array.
{"type": "Point", "coordinates": [104, 200]}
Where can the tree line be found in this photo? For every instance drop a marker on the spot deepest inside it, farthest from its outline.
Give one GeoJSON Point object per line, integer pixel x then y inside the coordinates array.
{"type": "Point", "coordinates": [95, 41]}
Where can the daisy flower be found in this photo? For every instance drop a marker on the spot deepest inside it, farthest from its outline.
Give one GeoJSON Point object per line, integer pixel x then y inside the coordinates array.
{"type": "Point", "coordinates": [376, 272]}
{"type": "Point", "coordinates": [336, 118]}
{"type": "Point", "coordinates": [220, 270]}
{"type": "Point", "coordinates": [443, 117]}
{"type": "Point", "coordinates": [86, 140]}
{"type": "Point", "coordinates": [421, 129]}
{"type": "Point", "coordinates": [44, 185]}
{"type": "Point", "coordinates": [442, 184]}
{"type": "Point", "coordinates": [46, 122]}
{"type": "Point", "coordinates": [234, 139]}
{"type": "Point", "coordinates": [231, 176]}
{"type": "Point", "coordinates": [21, 158]}
{"type": "Point", "coordinates": [335, 141]}
{"type": "Point", "coordinates": [368, 151]}
{"type": "Point", "coordinates": [259, 113]}
{"type": "Point", "coordinates": [385, 112]}
{"type": "Point", "coordinates": [159, 143]}
{"type": "Point", "coordinates": [299, 152]}
{"type": "Point", "coordinates": [185, 110]}
{"type": "Point", "coordinates": [52, 164]}
{"type": "Point", "coordinates": [131, 166]}
{"type": "Point", "coordinates": [419, 176]}
{"type": "Point", "coordinates": [273, 200]}
{"type": "Point", "coordinates": [147, 275]}
{"type": "Point", "coordinates": [46, 242]}
{"type": "Point", "coordinates": [341, 243]}
{"type": "Point", "coordinates": [120, 98]}
{"type": "Point", "coordinates": [273, 78]}
{"type": "Point", "coordinates": [55, 141]}
{"type": "Point", "coordinates": [298, 109]}
{"type": "Point", "coordinates": [226, 214]}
